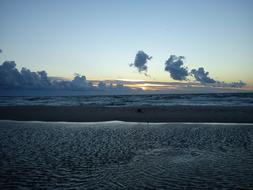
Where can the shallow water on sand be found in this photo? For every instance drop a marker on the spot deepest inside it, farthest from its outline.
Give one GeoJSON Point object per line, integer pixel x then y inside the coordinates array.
{"type": "Point", "coordinates": [118, 155]}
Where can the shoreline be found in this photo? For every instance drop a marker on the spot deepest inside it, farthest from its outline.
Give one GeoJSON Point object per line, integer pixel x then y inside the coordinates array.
{"type": "Point", "coordinates": [154, 114]}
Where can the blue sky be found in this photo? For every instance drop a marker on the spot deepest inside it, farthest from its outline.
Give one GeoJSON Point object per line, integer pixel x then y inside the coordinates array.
{"type": "Point", "coordinates": [99, 39]}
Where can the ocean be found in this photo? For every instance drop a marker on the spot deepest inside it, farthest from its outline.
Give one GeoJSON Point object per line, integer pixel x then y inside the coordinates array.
{"type": "Point", "coordinates": [122, 155]}
{"type": "Point", "coordinates": [226, 99]}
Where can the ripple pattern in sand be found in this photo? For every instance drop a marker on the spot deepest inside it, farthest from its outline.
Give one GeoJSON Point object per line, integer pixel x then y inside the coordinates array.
{"type": "Point", "coordinates": [117, 155]}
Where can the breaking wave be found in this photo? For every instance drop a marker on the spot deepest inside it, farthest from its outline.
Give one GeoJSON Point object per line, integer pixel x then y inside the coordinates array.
{"type": "Point", "coordinates": [240, 99]}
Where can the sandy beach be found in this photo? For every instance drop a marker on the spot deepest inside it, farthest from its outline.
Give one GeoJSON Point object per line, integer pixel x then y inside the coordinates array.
{"type": "Point", "coordinates": [225, 114]}
{"type": "Point", "coordinates": [122, 155]}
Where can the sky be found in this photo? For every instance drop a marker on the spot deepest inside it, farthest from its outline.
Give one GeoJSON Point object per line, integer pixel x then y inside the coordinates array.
{"type": "Point", "coordinates": [101, 38]}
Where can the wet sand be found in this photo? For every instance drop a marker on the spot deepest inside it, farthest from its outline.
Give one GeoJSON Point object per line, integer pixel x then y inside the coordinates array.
{"type": "Point", "coordinates": [223, 114]}
{"type": "Point", "coordinates": [122, 155]}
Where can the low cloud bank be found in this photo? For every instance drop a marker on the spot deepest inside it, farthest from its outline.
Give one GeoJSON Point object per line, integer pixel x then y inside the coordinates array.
{"type": "Point", "coordinates": [239, 84]}
{"type": "Point", "coordinates": [12, 78]}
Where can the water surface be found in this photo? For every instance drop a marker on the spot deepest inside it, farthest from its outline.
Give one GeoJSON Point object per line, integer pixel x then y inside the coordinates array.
{"type": "Point", "coordinates": [227, 99]}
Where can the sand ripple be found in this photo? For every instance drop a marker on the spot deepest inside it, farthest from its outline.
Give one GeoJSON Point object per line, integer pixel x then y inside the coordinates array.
{"type": "Point", "coordinates": [120, 155]}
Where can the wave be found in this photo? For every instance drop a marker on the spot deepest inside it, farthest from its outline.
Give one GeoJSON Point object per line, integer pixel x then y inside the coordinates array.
{"type": "Point", "coordinates": [241, 99]}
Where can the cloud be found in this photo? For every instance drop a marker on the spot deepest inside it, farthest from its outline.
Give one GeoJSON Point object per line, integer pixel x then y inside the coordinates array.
{"type": "Point", "coordinates": [12, 78]}
{"type": "Point", "coordinates": [174, 65]}
{"type": "Point", "coordinates": [202, 76]}
{"type": "Point", "coordinates": [79, 82]}
{"type": "Point", "coordinates": [25, 79]}
{"type": "Point", "coordinates": [9, 75]}
{"type": "Point", "coordinates": [30, 79]}
{"type": "Point", "coordinates": [140, 62]}
{"type": "Point", "coordinates": [1, 51]}
{"type": "Point", "coordinates": [239, 84]}
{"type": "Point", "coordinates": [102, 85]}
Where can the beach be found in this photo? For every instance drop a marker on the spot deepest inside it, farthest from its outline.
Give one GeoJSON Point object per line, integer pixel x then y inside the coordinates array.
{"type": "Point", "coordinates": [216, 114]}
{"type": "Point", "coordinates": [125, 155]}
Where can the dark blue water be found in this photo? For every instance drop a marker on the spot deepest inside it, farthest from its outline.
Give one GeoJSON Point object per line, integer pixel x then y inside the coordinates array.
{"type": "Point", "coordinates": [240, 99]}
{"type": "Point", "coordinates": [118, 155]}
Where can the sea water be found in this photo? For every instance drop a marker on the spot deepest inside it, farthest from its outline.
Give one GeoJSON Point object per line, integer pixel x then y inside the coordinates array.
{"type": "Point", "coordinates": [121, 155]}
{"type": "Point", "coordinates": [227, 99]}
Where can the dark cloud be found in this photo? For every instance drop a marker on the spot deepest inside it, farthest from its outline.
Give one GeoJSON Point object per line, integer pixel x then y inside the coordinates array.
{"type": "Point", "coordinates": [174, 65]}
{"type": "Point", "coordinates": [9, 75]}
{"type": "Point", "coordinates": [202, 76]}
{"type": "Point", "coordinates": [239, 84]}
{"type": "Point", "coordinates": [140, 62]}
{"type": "Point", "coordinates": [79, 82]}
{"type": "Point", "coordinates": [12, 78]}
{"type": "Point", "coordinates": [1, 51]}
{"type": "Point", "coordinates": [30, 79]}
{"type": "Point", "coordinates": [101, 85]}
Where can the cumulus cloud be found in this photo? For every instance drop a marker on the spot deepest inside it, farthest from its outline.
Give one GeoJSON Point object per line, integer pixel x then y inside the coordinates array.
{"type": "Point", "coordinates": [202, 76]}
{"type": "Point", "coordinates": [12, 78]}
{"type": "Point", "coordinates": [9, 75]}
{"type": "Point", "coordinates": [79, 81]}
{"type": "Point", "coordinates": [174, 65]}
{"type": "Point", "coordinates": [32, 79]}
{"type": "Point", "coordinates": [140, 62]}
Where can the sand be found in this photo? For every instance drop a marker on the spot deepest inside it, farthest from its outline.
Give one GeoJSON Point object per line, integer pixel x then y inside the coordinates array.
{"type": "Point", "coordinates": [223, 114]}
{"type": "Point", "coordinates": [122, 155]}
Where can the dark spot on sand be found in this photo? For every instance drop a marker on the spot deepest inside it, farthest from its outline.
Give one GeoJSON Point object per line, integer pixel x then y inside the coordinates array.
{"type": "Point", "coordinates": [139, 110]}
